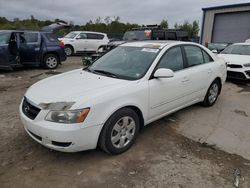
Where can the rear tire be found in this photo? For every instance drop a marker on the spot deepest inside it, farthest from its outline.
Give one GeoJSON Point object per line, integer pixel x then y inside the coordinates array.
{"type": "Point", "coordinates": [51, 61]}
{"type": "Point", "coordinates": [119, 132]}
{"type": "Point", "coordinates": [212, 94]}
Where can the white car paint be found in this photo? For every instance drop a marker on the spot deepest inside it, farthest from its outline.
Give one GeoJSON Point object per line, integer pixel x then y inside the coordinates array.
{"type": "Point", "coordinates": [85, 45]}
{"type": "Point", "coordinates": [243, 61]}
{"type": "Point", "coordinates": [155, 98]}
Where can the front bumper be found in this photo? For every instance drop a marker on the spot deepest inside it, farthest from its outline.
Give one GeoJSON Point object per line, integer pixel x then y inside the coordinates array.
{"type": "Point", "coordinates": [238, 73]}
{"type": "Point", "coordinates": [61, 137]}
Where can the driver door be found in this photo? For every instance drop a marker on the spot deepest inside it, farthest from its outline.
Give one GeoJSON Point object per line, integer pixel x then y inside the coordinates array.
{"type": "Point", "coordinates": [81, 42]}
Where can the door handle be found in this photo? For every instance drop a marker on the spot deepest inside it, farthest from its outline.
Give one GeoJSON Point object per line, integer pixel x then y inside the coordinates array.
{"type": "Point", "coordinates": [185, 79]}
{"type": "Point", "coordinates": [210, 71]}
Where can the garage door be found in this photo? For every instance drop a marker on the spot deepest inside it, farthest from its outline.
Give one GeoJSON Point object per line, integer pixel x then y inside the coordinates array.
{"type": "Point", "coordinates": [231, 27]}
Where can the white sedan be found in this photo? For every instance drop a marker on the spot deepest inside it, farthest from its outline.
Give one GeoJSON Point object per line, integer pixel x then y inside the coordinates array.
{"type": "Point", "coordinates": [107, 103]}
{"type": "Point", "coordinates": [237, 57]}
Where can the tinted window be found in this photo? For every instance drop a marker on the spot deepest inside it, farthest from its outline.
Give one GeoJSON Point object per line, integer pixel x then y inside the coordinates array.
{"type": "Point", "coordinates": [207, 57]}
{"type": "Point", "coordinates": [137, 35]}
{"type": "Point", "coordinates": [4, 38]}
{"type": "Point", "coordinates": [51, 37]}
{"type": "Point", "coordinates": [100, 36]}
{"type": "Point", "coordinates": [172, 60]}
{"type": "Point", "coordinates": [194, 55]}
{"type": "Point", "coordinates": [82, 36]}
{"type": "Point", "coordinates": [93, 36]}
{"type": "Point", "coordinates": [31, 37]}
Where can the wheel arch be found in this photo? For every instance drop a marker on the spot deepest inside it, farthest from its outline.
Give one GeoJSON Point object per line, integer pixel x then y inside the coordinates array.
{"type": "Point", "coordinates": [135, 108]}
{"type": "Point", "coordinates": [70, 45]}
{"type": "Point", "coordinates": [51, 52]}
{"type": "Point", "coordinates": [220, 82]}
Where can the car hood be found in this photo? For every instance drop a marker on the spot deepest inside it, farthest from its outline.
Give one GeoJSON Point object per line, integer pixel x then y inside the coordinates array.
{"type": "Point", "coordinates": [235, 59]}
{"type": "Point", "coordinates": [73, 86]}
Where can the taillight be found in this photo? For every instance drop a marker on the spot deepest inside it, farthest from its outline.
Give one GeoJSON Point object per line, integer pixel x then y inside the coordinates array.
{"type": "Point", "coordinates": [61, 44]}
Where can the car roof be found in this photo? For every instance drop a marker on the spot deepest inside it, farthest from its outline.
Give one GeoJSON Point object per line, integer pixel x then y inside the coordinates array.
{"type": "Point", "coordinates": [89, 32]}
{"type": "Point", "coordinates": [160, 44]}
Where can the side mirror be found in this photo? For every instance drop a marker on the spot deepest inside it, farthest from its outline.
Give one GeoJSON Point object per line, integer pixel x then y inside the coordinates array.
{"type": "Point", "coordinates": [215, 51]}
{"type": "Point", "coordinates": [164, 73]}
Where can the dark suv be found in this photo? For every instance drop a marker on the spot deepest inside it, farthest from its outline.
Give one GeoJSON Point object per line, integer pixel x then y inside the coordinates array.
{"type": "Point", "coordinates": [36, 48]}
{"type": "Point", "coordinates": [150, 32]}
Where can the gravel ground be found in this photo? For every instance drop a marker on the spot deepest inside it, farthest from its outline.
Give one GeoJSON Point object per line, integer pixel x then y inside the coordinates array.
{"type": "Point", "coordinates": [161, 156]}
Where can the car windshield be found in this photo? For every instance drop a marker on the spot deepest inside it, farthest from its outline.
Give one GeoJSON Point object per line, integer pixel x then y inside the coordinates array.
{"type": "Point", "coordinates": [4, 38]}
{"type": "Point", "coordinates": [237, 49]}
{"type": "Point", "coordinates": [137, 35]}
{"type": "Point", "coordinates": [129, 63]}
{"type": "Point", "coordinates": [71, 35]}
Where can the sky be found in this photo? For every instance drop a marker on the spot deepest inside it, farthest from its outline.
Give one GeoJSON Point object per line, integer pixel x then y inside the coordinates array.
{"type": "Point", "coordinates": [133, 11]}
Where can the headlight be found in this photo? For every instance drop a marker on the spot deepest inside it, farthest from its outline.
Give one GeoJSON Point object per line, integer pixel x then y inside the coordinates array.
{"type": "Point", "coordinates": [69, 116]}
{"type": "Point", "coordinates": [247, 65]}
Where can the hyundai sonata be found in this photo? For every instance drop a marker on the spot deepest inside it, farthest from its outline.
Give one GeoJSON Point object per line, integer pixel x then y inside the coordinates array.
{"type": "Point", "coordinates": [107, 103]}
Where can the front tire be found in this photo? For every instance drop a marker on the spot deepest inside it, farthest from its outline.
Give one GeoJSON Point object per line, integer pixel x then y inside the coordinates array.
{"type": "Point", "coordinates": [212, 94]}
{"type": "Point", "coordinates": [68, 50]}
{"type": "Point", "coordinates": [119, 132]}
{"type": "Point", "coordinates": [51, 61]}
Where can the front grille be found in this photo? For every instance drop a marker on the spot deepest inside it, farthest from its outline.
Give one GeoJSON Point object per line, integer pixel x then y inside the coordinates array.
{"type": "Point", "coordinates": [30, 110]}
{"type": "Point", "coordinates": [237, 75]}
{"type": "Point", "coordinates": [248, 73]}
{"type": "Point", "coordinates": [234, 66]}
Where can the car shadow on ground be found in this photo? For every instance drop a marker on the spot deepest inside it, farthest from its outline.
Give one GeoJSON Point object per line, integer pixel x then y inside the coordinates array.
{"type": "Point", "coordinates": [245, 85]}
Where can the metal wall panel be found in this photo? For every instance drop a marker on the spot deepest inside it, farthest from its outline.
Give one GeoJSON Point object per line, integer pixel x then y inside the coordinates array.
{"type": "Point", "coordinates": [231, 27]}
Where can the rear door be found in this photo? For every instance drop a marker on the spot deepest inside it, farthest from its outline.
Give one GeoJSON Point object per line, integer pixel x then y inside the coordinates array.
{"type": "Point", "coordinates": [199, 71]}
{"type": "Point", "coordinates": [94, 41]}
{"type": "Point", "coordinates": [30, 47]}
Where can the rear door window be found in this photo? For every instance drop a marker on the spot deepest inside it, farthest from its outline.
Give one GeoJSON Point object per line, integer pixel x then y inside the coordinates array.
{"type": "Point", "coordinates": [207, 58]}
{"type": "Point", "coordinates": [51, 37]}
{"type": "Point", "coordinates": [194, 55]}
{"type": "Point", "coordinates": [93, 36]}
{"type": "Point", "coordinates": [31, 37]}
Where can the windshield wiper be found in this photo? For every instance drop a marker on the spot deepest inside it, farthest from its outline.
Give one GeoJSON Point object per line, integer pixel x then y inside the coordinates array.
{"type": "Point", "coordinates": [106, 73]}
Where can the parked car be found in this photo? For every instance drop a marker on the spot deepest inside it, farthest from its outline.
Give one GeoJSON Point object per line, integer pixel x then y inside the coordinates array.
{"type": "Point", "coordinates": [107, 103]}
{"type": "Point", "coordinates": [83, 41]}
{"type": "Point", "coordinates": [150, 32]}
{"type": "Point", "coordinates": [237, 57]}
{"type": "Point", "coordinates": [36, 48]}
{"type": "Point", "coordinates": [217, 47]}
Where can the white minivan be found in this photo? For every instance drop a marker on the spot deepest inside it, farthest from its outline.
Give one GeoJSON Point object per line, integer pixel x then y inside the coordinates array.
{"type": "Point", "coordinates": [83, 41]}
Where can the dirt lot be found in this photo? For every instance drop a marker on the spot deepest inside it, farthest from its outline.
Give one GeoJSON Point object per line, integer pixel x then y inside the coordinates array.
{"type": "Point", "coordinates": [161, 157]}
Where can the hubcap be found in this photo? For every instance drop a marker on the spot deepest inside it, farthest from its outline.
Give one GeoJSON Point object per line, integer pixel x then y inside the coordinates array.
{"type": "Point", "coordinates": [51, 62]}
{"type": "Point", "coordinates": [213, 93]}
{"type": "Point", "coordinates": [123, 132]}
{"type": "Point", "coordinates": [68, 51]}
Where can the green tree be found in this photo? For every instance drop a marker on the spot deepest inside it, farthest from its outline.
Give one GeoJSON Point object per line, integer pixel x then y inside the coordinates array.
{"type": "Point", "coordinates": [164, 23]}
